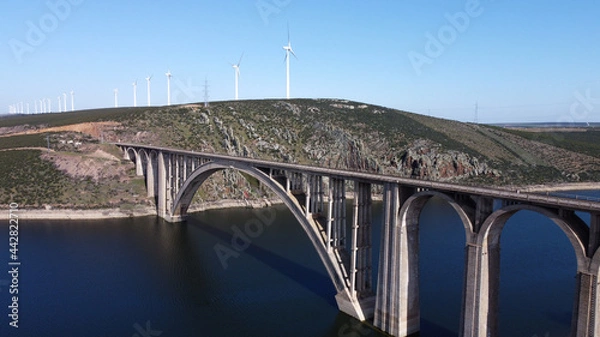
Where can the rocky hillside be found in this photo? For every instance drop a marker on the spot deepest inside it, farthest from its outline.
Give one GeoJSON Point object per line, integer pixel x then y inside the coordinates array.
{"type": "Point", "coordinates": [328, 133]}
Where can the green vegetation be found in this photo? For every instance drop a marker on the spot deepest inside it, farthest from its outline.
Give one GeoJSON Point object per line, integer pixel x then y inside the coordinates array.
{"type": "Point", "coordinates": [324, 132]}
{"type": "Point", "coordinates": [586, 141]}
{"type": "Point", "coordinates": [68, 118]}
{"type": "Point", "coordinates": [33, 140]}
{"type": "Point", "coordinates": [33, 182]}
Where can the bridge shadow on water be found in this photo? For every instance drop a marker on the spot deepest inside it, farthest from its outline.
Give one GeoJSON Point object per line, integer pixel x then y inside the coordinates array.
{"type": "Point", "coordinates": [317, 283]}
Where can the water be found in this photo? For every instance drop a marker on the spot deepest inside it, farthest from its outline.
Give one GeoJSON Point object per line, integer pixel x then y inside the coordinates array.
{"type": "Point", "coordinates": [136, 276]}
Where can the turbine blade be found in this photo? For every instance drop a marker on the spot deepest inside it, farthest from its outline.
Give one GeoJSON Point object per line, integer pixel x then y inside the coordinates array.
{"type": "Point", "coordinates": [240, 61]}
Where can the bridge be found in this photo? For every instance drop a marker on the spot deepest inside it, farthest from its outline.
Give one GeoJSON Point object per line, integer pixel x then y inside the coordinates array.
{"type": "Point", "coordinates": [316, 197]}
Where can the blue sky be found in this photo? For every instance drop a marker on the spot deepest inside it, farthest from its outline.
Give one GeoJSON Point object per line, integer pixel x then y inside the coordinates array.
{"type": "Point", "coordinates": [520, 61]}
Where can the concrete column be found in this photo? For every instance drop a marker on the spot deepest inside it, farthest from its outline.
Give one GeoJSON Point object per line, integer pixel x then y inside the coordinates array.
{"type": "Point", "coordinates": [480, 310]}
{"type": "Point", "coordinates": [338, 227]}
{"type": "Point", "coordinates": [363, 244]}
{"type": "Point", "coordinates": [330, 214]}
{"type": "Point", "coordinates": [307, 203]}
{"type": "Point", "coordinates": [397, 304]}
{"type": "Point", "coordinates": [177, 176]}
{"type": "Point", "coordinates": [476, 286]}
{"type": "Point", "coordinates": [169, 195]}
{"type": "Point", "coordinates": [185, 168]}
{"type": "Point", "coordinates": [162, 186]}
{"type": "Point", "coordinates": [151, 176]}
{"type": "Point", "coordinates": [480, 291]}
{"type": "Point", "coordinates": [594, 242]}
{"type": "Point", "coordinates": [584, 323]}
{"type": "Point", "coordinates": [139, 169]}
{"type": "Point", "coordinates": [354, 242]}
{"type": "Point", "coordinates": [484, 207]}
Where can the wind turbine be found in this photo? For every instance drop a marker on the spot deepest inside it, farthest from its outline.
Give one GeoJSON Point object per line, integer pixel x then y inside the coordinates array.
{"type": "Point", "coordinates": [49, 105]}
{"type": "Point", "coordinates": [59, 105]}
{"type": "Point", "coordinates": [72, 100]}
{"type": "Point", "coordinates": [135, 93]}
{"type": "Point", "coordinates": [65, 101]}
{"type": "Point", "coordinates": [116, 98]}
{"type": "Point", "coordinates": [288, 49]}
{"type": "Point", "coordinates": [148, 80]}
{"type": "Point", "coordinates": [169, 75]}
{"type": "Point", "coordinates": [236, 68]}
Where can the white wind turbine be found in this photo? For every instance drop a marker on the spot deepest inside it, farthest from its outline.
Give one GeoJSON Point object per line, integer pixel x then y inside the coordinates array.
{"type": "Point", "coordinates": [148, 80]}
{"type": "Point", "coordinates": [72, 100]}
{"type": "Point", "coordinates": [169, 75]}
{"type": "Point", "coordinates": [288, 49]}
{"type": "Point", "coordinates": [59, 105]}
{"type": "Point", "coordinates": [236, 68]}
{"type": "Point", "coordinates": [64, 101]}
{"type": "Point", "coordinates": [135, 93]}
{"type": "Point", "coordinates": [116, 98]}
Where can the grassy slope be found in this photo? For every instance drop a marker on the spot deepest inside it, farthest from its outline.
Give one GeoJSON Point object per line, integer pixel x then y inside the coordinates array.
{"type": "Point", "coordinates": [381, 131]}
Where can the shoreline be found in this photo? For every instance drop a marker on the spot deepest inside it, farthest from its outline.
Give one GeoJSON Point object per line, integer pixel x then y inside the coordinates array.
{"type": "Point", "coordinates": [141, 211]}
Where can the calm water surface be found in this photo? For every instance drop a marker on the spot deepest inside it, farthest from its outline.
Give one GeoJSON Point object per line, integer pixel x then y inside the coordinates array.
{"type": "Point", "coordinates": [145, 276]}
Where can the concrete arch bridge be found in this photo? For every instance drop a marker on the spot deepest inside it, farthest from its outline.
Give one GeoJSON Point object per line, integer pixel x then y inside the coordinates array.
{"type": "Point", "coordinates": [316, 196]}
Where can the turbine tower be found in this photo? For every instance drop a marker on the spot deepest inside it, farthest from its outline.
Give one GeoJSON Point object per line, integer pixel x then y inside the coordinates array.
{"type": "Point", "coordinates": [59, 105]}
{"type": "Point", "coordinates": [148, 80]}
{"type": "Point", "coordinates": [116, 98]}
{"type": "Point", "coordinates": [65, 101]}
{"type": "Point", "coordinates": [169, 75]}
{"type": "Point", "coordinates": [288, 49]}
{"type": "Point", "coordinates": [36, 109]}
{"type": "Point", "coordinates": [135, 93]}
{"type": "Point", "coordinates": [236, 68]}
{"type": "Point", "coordinates": [72, 100]}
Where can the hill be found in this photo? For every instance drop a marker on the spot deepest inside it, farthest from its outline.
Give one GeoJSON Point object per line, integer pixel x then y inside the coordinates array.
{"type": "Point", "coordinates": [323, 132]}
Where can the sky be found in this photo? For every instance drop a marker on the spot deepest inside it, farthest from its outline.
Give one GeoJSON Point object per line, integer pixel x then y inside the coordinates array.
{"type": "Point", "coordinates": [490, 61]}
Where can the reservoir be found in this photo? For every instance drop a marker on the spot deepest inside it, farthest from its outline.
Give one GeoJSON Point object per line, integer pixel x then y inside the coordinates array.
{"type": "Point", "coordinates": [147, 277]}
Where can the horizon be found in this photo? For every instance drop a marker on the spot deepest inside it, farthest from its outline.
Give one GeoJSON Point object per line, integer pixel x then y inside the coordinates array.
{"type": "Point", "coordinates": [456, 60]}
{"type": "Point", "coordinates": [540, 124]}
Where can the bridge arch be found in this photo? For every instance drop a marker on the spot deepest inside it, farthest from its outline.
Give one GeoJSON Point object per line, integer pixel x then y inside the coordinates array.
{"type": "Point", "coordinates": [406, 301]}
{"type": "Point", "coordinates": [201, 174]}
{"type": "Point", "coordinates": [571, 225]}
{"type": "Point", "coordinates": [131, 154]}
{"type": "Point", "coordinates": [488, 263]}
{"type": "Point", "coordinates": [410, 211]}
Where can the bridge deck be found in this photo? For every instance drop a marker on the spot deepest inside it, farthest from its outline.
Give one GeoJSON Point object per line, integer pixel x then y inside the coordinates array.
{"type": "Point", "coordinates": [490, 192]}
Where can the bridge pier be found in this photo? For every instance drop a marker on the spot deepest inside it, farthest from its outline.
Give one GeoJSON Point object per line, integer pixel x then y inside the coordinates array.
{"type": "Point", "coordinates": [397, 309]}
